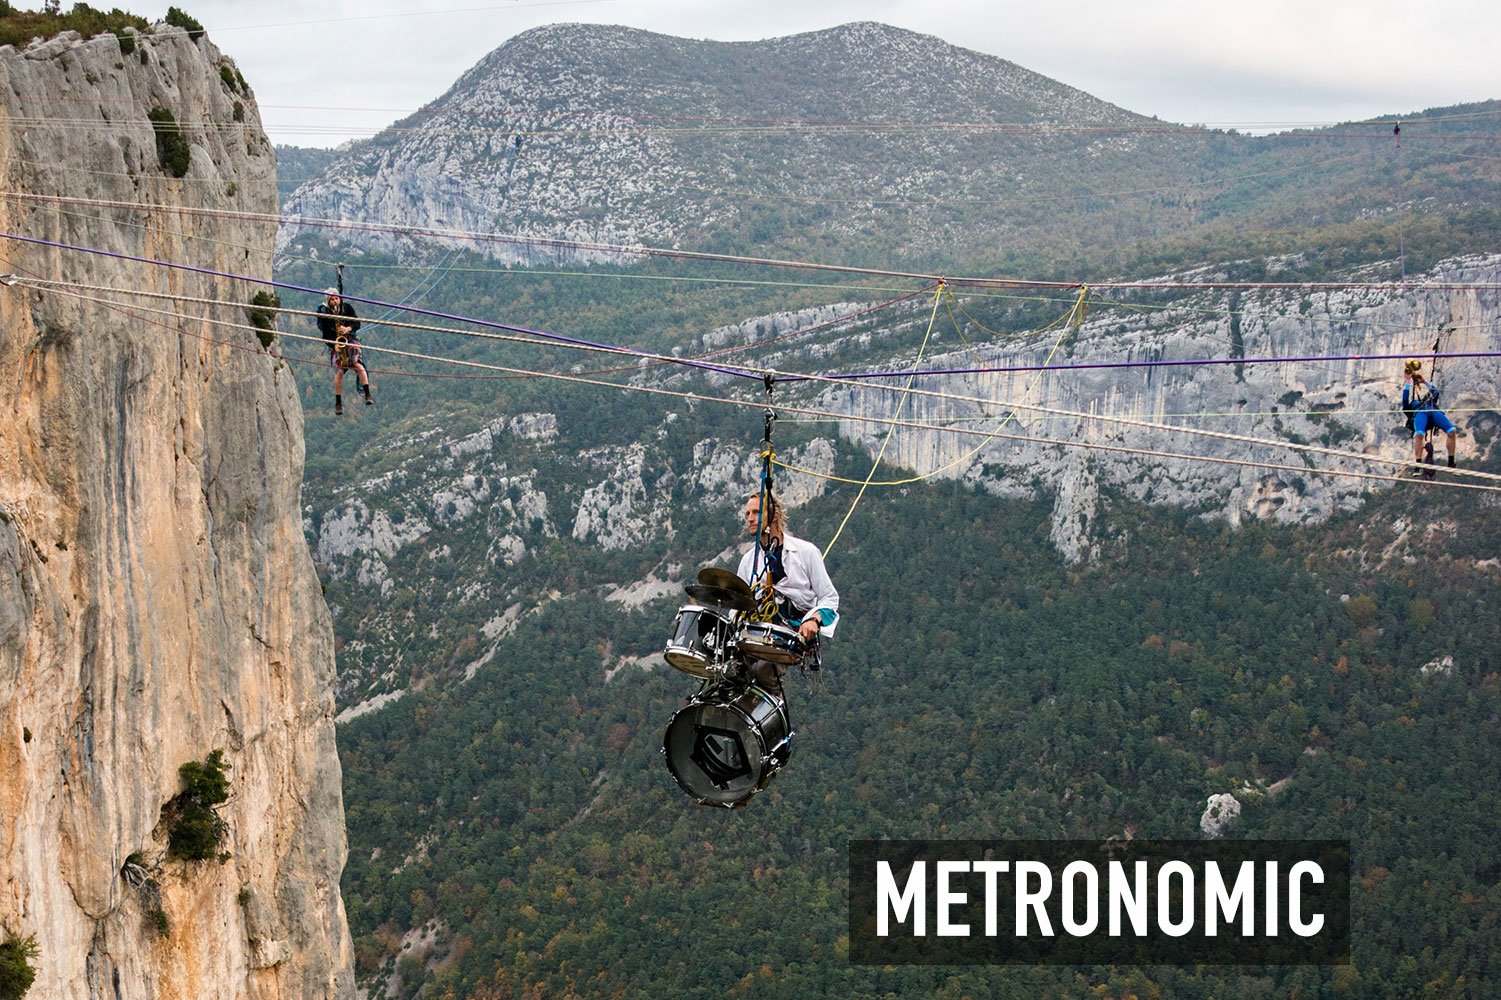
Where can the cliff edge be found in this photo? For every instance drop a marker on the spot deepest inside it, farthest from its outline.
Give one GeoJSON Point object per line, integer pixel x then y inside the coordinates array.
{"type": "Point", "coordinates": [157, 598]}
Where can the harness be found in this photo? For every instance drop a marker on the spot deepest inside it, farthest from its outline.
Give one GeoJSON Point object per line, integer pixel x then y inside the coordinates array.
{"type": "Point", "coordinates": [1423, 396]}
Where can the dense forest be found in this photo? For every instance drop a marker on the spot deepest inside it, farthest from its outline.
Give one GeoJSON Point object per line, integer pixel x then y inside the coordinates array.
{"type": "Point", "coordinates": [992, 693]}
{"type": "Point", "coordinates": [514, 830]}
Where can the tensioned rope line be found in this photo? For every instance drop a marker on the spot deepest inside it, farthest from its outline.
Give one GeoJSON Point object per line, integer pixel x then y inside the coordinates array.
{"type": "Point", "coordinates": [46, 283]}
{"type": "Point", "coordinates": [736, 348]}
{"type": "Point", "coordinates": [1187, 362]}
{"type": "Point", "coordinates": [761, 373]}
{"type": "Point", "coordinates": [1069, 323]}
{"type": "Point", "coordinates": [478, 237]}
{"type": "Point", "coordinates": [727, 281]}
{"type": "Point", "coordinates": [491, 324]}
{"type": "Point", "coordinates": [890, 431]}
{"type": "Point", "coordinates": [665, 359]}
{"type": "Point", "coordinates": [1147, 424]}
{"type": "Point", "coordinates": [648, 360]}
{"type": "Point", "coordinates": [973, 292]}
{"type": "Point", "coordinates": [1074, 317]}
{"type": "Point", "coordinates": [813, 412]}
{"type": "Point", "coordinates": [642, 250]}
{"type": "Point", "coordinates": [513, 272]}
{"type": "Point", "coordinates": [1204, 414]}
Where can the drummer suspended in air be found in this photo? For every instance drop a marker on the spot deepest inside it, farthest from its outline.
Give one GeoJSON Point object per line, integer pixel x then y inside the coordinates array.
{"type": "Point", "coordinates": [791, 572]}
{"type": "Point", "coordinates": [1420, 403]}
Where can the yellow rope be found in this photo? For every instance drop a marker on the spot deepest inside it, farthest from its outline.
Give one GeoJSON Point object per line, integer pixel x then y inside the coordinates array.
{"type": "Point", "coordinates": [1401, 464]}
{"type": "Point", "coordinates": [1073, 318]}
{"type": "Point", "coordinates": [890, 431]}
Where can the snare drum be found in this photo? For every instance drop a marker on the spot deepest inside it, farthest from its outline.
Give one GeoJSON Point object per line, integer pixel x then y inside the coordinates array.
{"type": "Point", "coordinates": [726, 744]}
{"type": "Point", "coordinates": [701, 639]}
{"type": "Point", "coordinates": [770, 641]}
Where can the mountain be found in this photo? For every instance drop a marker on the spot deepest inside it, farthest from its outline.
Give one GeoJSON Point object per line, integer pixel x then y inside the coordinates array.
{"type": "Point", "coordinates": [171, 814]}
{"type": "Point", "coordinates": [858, 144]}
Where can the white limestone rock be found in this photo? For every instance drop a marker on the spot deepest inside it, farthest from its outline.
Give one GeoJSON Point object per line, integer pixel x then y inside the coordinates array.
{"type": "Point", "coordinates": [157, 598]}
{"type": "Point", "coordinates": [1219, 813]}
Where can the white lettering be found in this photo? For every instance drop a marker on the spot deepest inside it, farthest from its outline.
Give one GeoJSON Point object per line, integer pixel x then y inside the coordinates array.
{"type": "Point", "coordinates": [1026, 897]}
{"type": "Point", "coordinates": [991, 869]}
{"type": "Point", "coordinates": [947, 898]}
{"type": "Point", "coordinates": [1133, 897]}
{"type": "Point", "coordinates": [1165, 898]}
{"type": "Point", "coordinates": [914, 897]}
{"type": "Point", "coordinates": [1091, 898]}
{"type": "Point", "coordinates": [1271, 898]}
{"type": "Point", "coordinates": [1315, 875]}
{"type": "Point", "coordinates": [1243, 898]}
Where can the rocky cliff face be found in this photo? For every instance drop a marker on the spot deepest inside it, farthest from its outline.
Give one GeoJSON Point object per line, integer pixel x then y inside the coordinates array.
{"type": "Point", "coordinates": [1350, 406]}
{"type": "Point", "coordinates": [157, 599]}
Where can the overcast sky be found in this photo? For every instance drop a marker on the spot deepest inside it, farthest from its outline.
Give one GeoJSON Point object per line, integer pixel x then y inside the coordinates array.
{"type": "Point", "coordinates": [338, 69]}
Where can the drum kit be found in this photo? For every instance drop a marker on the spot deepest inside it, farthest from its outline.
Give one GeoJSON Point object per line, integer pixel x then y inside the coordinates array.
{"type": "Point", "coordinates": [733, 736]}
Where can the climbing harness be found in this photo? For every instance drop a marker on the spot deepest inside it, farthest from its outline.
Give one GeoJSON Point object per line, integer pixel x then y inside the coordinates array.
{"type": "Point", "coordinates": [767, 608]}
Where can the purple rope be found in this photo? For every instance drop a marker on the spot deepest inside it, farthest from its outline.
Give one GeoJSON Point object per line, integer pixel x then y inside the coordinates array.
{"type": "Point", "coordinates": [612, 348]}
{"type": "Point", "coordinates": [851, 376]}
{"type": "Point", "coordinates": [740, 372]}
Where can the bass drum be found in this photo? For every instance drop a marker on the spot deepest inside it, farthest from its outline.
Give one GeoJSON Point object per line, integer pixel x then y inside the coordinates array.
{"type": "Point", "coordinates": [725, 745]}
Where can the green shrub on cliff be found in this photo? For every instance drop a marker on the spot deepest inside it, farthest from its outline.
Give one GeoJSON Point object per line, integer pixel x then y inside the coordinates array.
{"type": "Point", "coordinates": [178, 19]}
{"type": "Point", "coordinates": [16, 973]}
{"type": "Point", "coordinates": [18, 27]}
{"type": "Point", "coordinates": [262, 313]}
{"type": "Point", "coordinates": [171, 148]}
{"type": "Point", "coordinates": [194, 828]}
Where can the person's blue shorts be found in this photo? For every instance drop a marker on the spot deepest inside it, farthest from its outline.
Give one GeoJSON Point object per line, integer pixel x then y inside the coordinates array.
{"type": "Point", "coordinates": [1422, 418]}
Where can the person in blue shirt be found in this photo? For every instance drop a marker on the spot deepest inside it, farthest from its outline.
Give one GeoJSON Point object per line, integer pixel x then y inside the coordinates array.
{"type": "Point", "coordinates": [1420, 403]}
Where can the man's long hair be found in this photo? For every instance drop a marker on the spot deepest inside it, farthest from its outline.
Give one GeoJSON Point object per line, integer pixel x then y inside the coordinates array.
{"type": "Point", "coordinates": [773, 514]}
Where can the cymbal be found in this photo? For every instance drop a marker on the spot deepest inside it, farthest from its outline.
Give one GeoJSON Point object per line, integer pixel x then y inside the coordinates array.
{"type": "Point", "coordinates": [722, 597]}
{"type": "Point", "coordinates": [713, 576]}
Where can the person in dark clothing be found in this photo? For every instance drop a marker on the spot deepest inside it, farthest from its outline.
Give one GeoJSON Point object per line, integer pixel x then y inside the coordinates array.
{"type": "Point", "coordinates": [338, 323]}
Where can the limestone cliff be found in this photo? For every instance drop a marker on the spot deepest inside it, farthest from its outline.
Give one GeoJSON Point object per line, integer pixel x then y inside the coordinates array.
{"type": "Point", "coordinates": [157, 599]}
{"type": "Point", "coordinates": [1348, 405]}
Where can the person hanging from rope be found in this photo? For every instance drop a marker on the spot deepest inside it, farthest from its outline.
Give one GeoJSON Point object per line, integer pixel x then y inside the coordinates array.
{"type": "Point", "coordinates": [339, 323]}
{"type": "Point", "coordinates": [792, 571]}
{"type": "Point", "coordinates": [1420, 404]}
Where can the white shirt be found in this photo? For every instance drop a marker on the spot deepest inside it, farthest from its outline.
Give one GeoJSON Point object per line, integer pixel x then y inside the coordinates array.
{"type": "Point", "coordinates": [807, 583]}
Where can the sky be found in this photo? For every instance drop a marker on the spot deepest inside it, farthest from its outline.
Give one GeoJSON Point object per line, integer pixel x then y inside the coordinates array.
{"type": "Point", "coordinates": [327, 72]}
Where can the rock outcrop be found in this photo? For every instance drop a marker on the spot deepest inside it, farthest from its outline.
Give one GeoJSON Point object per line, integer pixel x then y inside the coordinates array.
{"type": "Point", "coordinates": [157, 598]}
{"type": "Point", "coordinates": [1220, 811]}
{"type": "Point", "coordinates": [1349, 406]}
